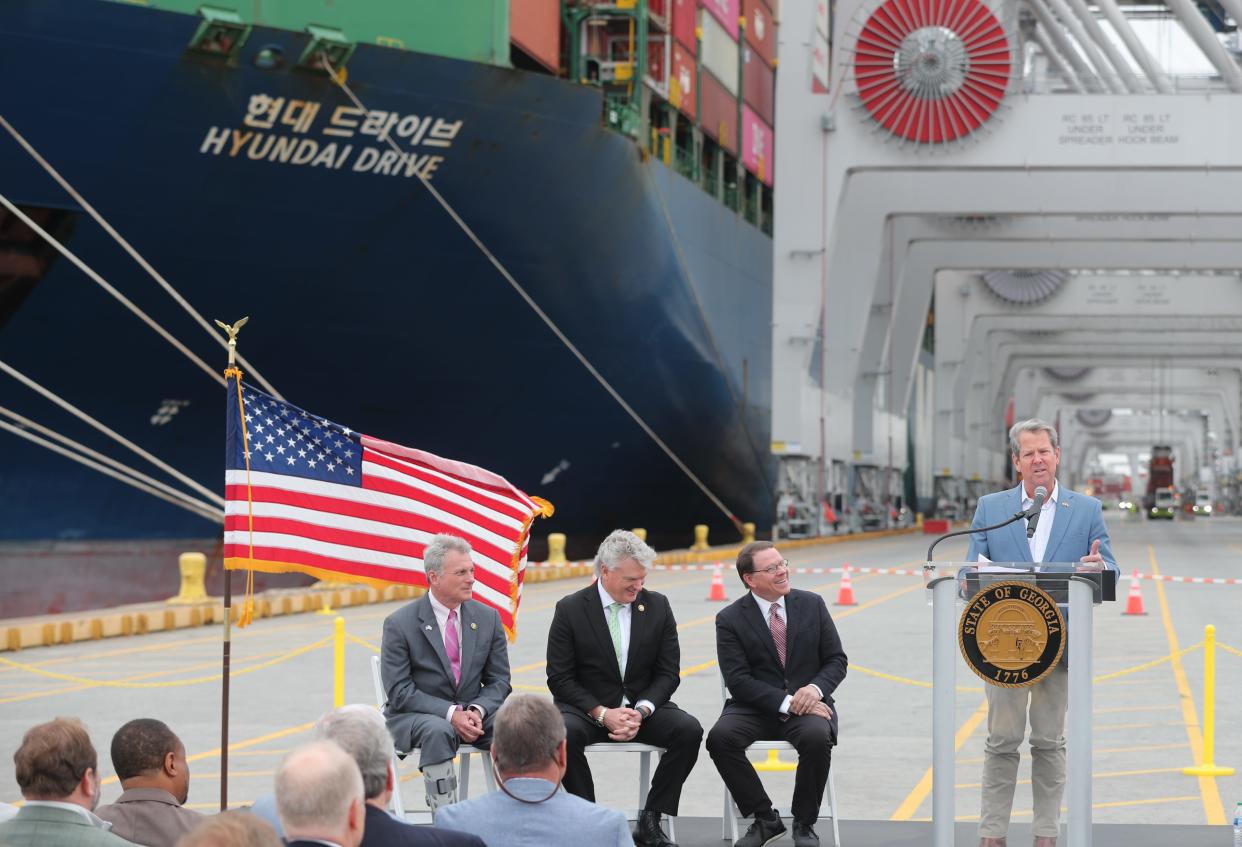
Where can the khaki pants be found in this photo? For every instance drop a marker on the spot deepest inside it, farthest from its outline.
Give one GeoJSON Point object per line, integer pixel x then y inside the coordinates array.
{"type": "Point", "coordinates": [1007, 712]}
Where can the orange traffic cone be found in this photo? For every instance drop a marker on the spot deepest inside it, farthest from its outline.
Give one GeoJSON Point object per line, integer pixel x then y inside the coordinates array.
{"type": "Point", "coordinates": [1134, 602]}
{"type": "Point", "coordinates": [717, 591]}
{"type": "Point", "coordinates": [845, 595]}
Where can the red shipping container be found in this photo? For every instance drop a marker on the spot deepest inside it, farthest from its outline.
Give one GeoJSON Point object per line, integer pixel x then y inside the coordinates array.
{"type": "Point", "coordinates": [682, 85]}
{"type": "Point", "coordinates": [759, 86]}
{"type": "Point", "coordinates": [685, 19]}
{"type": "Point", "coordinates": [758, 145]}
{"type": "Point", "coordinates": [725, 11]}
{"type": "Point", "coordinates": [760, 29]}
{"type": "Point", "coordinates": [657, 8]}
{"type": "Point", "coordinates": [717, 112]}
{"type": "Point", "coordinates": [535, 27]}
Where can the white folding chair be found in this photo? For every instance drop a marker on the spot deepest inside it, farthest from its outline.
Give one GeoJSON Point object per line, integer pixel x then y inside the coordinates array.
{"type": "Point", "coordinates": [644, 752]}
{"type": "Point", "coordinates": [464, 751]}
{"type": "Point", "coordinates": [827, 809]}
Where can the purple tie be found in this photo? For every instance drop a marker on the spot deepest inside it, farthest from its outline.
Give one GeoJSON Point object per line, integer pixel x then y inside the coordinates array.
{"type": "Point", "coordinates": [452, 645]}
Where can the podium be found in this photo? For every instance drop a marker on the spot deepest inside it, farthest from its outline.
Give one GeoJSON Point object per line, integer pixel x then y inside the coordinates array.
{"type": "Point", "coordinates": [1070, 583]}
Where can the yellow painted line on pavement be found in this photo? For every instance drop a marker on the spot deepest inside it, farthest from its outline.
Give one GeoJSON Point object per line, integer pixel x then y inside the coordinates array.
{"type": "Point", "coordinates": [701, 666]}
{"type": "Point", "coordinates": [533, 666]}
{"type": "Point", "coordinates": [538, 689]}
{"type": "Point", "coordinates": [1212, 806]}
{"type": "Point", "coordinates": [916, 797]}
{"type": "Point", "coordinates": [1017, 813]}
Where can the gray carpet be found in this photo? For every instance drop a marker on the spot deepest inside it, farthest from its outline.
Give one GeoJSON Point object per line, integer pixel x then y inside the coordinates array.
{"type": "Point", "coordinates": [705, 832]}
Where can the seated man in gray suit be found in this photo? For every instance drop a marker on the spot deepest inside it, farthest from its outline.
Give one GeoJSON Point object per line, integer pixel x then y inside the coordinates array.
{"type": "Point", "coordinates": [445, 668]}
{"type": "Point", "coordinates": [531, 809]}
{"type": "Point", "coordinates": [56, 771]}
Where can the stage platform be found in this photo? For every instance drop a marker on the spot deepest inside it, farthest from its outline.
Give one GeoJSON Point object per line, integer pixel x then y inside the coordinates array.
{"type": "Point", "coordinates": [705, 832]}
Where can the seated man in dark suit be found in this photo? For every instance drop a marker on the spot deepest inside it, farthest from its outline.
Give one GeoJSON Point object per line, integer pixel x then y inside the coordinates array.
{"type": "Point", "coordinates": [613, 662]}
{"type": "Point", "coordinates": [319, 797]}
{"type": "Point", "coordinates": [445, 668]}
{"type": "Point", "coordinates": [782, 660]}
{"type": "Point", "coordinates": [150, 761]}
{"type": "Point", "coordinates": [56, 771]}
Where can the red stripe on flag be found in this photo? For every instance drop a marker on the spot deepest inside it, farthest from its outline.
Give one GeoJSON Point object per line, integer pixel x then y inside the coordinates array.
{"type": "Point", "coordinates": [366, 511]}
{"type": "Point", "coordinates": [389, 486]}
{"type": "Point", "coordinates": [518, 510]}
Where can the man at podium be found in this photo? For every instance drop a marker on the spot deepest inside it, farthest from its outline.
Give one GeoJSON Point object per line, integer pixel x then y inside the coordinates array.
{"type": "Point", "coordinates": [1067, 527]}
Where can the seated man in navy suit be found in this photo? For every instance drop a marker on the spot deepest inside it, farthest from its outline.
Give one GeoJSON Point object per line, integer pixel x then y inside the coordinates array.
{"type": "Point", "coordinates": [1070, 528]}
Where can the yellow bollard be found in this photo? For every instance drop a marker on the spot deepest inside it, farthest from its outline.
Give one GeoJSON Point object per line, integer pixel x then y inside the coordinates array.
{"type": "Point", "coordinates": [640, 532]}
{"type": "Point", "coordinates": [774, 763]}
{"type": "Point", "coordinates": [338, 664]}
{"type": "Point", "coordinates": [1209, 766]}
{"type": "Point", "coordinates": [556, 548]}
{"type": "Point", "coordinates": [700, 537]}
{"type": "Point", "coordinates": [748, 532]}
{"type": "Point", "coordinates": [193, 572]}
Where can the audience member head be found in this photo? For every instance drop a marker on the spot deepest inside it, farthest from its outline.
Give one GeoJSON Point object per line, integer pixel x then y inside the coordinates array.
{"type": "Point", "coordinates": [56, 761]}
{"type": "Point", "coordinates": [231, 829]}
{"type": "Point", "coordinates": [319, 795]}
{"type": "Point", "coordinates": [622, 563]}
{"type": "Point", "coordinates": [147, 754]}
{"type": "Point", "coordinates": [360, 731]}
{"type": "Point", "coordinates": [528, 738]}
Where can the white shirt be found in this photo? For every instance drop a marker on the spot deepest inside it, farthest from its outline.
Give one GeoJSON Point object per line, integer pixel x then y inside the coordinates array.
{"type": "Point", "coordinates": [623, 621]}
{"type": "Point", "coordinates": [442, 612]}
{"type": "Point", "coordinates": [1043, 530]}
{"type": "Point", "coordinates": [91, 817]}
{"type": "Point", "coordinates": [765, 606]}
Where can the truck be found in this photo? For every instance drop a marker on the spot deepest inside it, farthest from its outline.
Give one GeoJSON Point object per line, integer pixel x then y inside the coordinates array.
{"type": "Point", "coordinates": [1160, 499]}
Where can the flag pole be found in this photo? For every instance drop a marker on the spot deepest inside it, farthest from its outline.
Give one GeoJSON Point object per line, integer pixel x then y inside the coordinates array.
{"type": "Point", "coordinates": [228, 612]}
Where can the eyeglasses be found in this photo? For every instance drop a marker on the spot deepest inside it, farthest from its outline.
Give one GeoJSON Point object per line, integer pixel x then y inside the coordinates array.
{"type": "Point", "coordinates": [782, 565]}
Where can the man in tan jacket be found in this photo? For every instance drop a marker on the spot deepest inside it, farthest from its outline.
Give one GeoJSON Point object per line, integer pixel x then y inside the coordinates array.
{"type": "Point", "coordinates": [150, 762]}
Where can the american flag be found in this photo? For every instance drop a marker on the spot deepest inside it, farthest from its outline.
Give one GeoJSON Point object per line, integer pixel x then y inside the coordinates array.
{"type": "Point", "coordinates": [319, 498]}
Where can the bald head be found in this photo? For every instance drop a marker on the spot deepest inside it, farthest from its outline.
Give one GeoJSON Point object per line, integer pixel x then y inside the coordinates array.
{"type": "Point", "coordinates": [319, 794]}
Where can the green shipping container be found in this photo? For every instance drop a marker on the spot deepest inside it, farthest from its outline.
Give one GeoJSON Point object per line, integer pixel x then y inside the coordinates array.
{"type": "Point", "coordinates": [474, 30]}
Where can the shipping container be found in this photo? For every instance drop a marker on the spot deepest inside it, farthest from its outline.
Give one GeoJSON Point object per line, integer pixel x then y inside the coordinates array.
{"type": "Point", "coordinates": [760, 29]}
{"type": "Point", "coordinates": [535, 27]}
{"type": "Point", "coordinates": [759, 85]}
{"type": "Point", "coordinates": [685, 19]}
{"type": "Point", "coordinates": [717, 112]}
{"type": "Point", "coordinates": [726, 12]}
{"type": "Point", "coordinates": [477, 31]}
{"type": "Point", "coordinates": [658, 9]}
{"type": "Point", "coordinates": [719, 53]}
{"type": "Point", "coordinates": [758, 145]}
{"type": "Point", "coordinates": [682, 85]}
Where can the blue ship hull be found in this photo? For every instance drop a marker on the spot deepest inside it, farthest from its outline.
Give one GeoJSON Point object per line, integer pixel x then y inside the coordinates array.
{"type": "Point", "coordinates": [368, 304]}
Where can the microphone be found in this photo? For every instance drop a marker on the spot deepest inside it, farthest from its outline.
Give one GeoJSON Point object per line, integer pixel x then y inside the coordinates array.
{"type": "Point", "coordinates": [1032, 514]}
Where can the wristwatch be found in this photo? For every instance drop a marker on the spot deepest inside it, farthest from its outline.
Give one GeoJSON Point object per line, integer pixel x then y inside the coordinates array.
{"type": "Point", "coordinates": [644, 711]}
{"type": "Point", "coordinates": [599, 716]}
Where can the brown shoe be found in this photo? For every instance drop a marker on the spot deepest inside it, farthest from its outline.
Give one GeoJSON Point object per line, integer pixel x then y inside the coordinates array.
{"type": "Point", "coordinates": [1045, 841]}
{"type": "Point", "coordinates": [992, 842]}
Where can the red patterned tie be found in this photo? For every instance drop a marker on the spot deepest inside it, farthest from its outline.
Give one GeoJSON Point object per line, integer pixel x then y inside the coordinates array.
{"type": "Point", "coordinates": [452, 645]}
{"type": "Point", "coordinates": [778, 631]}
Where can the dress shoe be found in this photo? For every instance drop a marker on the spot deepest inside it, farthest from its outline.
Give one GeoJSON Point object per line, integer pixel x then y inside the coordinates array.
{"type": "Point", "coordinates": [1045, 841]}
{"type": "Point", "coordinates": [992, 842]}
{"type": "Point", "coordinates": [648, 832]}
{"type": "Point", "coordinates": [765, 829]}
{"type": "Point", "coordinates": [804, 835]}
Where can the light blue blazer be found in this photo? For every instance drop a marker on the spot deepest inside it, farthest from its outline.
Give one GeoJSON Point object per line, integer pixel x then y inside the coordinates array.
{"type": "Point", "coordinates": [1079, 521]}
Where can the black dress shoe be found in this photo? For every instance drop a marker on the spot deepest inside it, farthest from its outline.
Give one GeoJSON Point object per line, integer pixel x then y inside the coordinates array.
{"type": "Point", "coordinates": [804, 835]}
{"type": "Point", "coordinates": [763, 831]}
{"type": "Point", "coordinates": [648, 832]}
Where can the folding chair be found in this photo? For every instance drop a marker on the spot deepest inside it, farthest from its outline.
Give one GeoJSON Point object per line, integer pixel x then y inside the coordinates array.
{"type": "Point", "coordinates": [464, 751]}
{"type": "Point", "coordinates": [644, 752]}
{"type": "Point", "coordinates": [728, 823]}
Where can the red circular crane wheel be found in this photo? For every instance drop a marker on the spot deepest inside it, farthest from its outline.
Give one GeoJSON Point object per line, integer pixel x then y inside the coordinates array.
{"type": "Point", "coordinates": [932, 70]}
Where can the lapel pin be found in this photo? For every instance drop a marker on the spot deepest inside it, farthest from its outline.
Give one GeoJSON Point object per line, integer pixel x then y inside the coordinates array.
{"type": "Point", "coordinates": [474, 625]}
{"type": "Point", "coordinates": [1065, 503]}
{"type": "Point", "coordinates": [427, 627]}
{"type": "Point", "coordinates": [641, 607]}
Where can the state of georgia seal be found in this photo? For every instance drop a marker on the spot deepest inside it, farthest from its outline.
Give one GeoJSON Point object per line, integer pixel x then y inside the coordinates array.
{"type": "Point", "coordinates": [1012, 634]}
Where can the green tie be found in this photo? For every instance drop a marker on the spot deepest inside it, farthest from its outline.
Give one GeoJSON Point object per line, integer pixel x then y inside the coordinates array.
{"type": "Point", "coordinates": [614, 627]}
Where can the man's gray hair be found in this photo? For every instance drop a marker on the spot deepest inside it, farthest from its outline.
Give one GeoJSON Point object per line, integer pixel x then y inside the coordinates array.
{"type": "Point", "coordinates": [621, 544]}
{"type": "Point", "coordinates": [527, 731]}
{"type": "Point", "coordinates": [360, 731]}
{"type": "Point", "coordinates": [315, 786]}
{"type": "Point", "coordinates": [1032, 425]}
{"type": "Point", "coordinates": [438, 547]}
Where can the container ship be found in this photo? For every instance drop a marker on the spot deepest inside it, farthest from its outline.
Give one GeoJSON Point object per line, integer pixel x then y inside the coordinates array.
{"type": "Point", "coordinates": [276, 160]}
